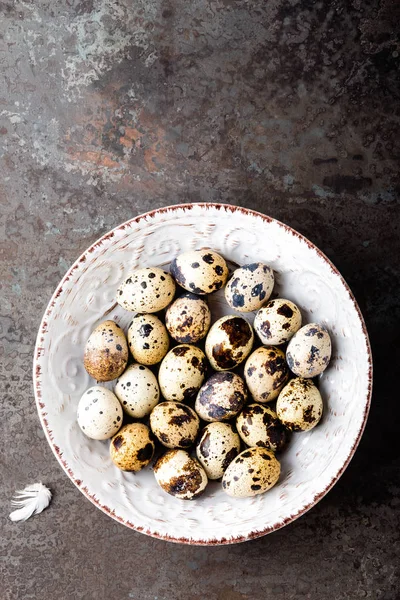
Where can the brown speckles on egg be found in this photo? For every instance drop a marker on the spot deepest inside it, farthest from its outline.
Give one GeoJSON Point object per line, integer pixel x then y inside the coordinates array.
{"type": "Point", "coordinates": [277, 321]}
{"type": "Point", "coordinates": [138, 391]}
{"type": "Point", "coordinates": [200, 271]}
{"type": "Point", "coordinates": [184, 415]}
{"type": "Point", "coordinates": [145, 454]}
{"type": "Point", "coordinates": [265, 329]}
{"type": "Point", "coordinates": [195, 362]}
{"type": "Point", "coordinates": [204, 444]}
{"type": "Point", "coordinates": [228, 342]}
{"type": "Point", "coordinates": [223, 357]}
{"type": "Point", "coordinates": [238, 480]}
{"type": "Point", "coordinates": [299, 405]}
{"type": "Point", "coordinates": [230, 455]}
{"type": "Point", "coordinates": [217, 447]}
{"type": "Point", "coordinates": [97, 412]}
{"type": "Point", "coordinates": [105, 358]}
{"type": "Point", "coordinates": [188, 319]}
{"type": "Point", "coordinates": [308, 414]}
{"type": "Point", "coordinates": [184, 484]}
{"type": "Point", "coordinates": [164, 439]}
{"type": "Point", "coordinates": [269, 362]}
{"type": "Point", "coordinates": [244, 430]}
{"type": "Point", "coordinates": [259, 425]}
{"type": "Point", "coordinates": [148, 339]}
{"type": "Point", "coordinates": [249, 287]}
{"type": "Point", "coordinates": [145, 291]}
{"type": "Point", "coordinates": [182, 372]}
{"type": "Point", "coordinates": [132, 448]}
{"type": "Point", "coordinates": [238, 331]}
{"type": "Point", "coordinates": [177, 273]}
{"type": "Point", "coordinates": [174, 424]}
{"type": "Point", "coordinates": [180, 350]}
{"type": "Point", "coordinates": [285, 310]}
{"type": "Point", "coordinates": [208, 258]}
{"type": "Point", "coordinates": [314, 330]}
{"type": "Point", "coordinates": [221, 397]}
{"type": "Point", "coordinates": [180, 475]}
{"type": "Point", "coordinates": [118, 441]}
{"type": "Point", "coordinates": [309, 351]}
{"type": "Point", "coordinates": [145, 329]}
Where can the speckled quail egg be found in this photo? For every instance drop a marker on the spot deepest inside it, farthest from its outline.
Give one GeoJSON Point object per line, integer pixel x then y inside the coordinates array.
{"type": "Point", "coordinates": [253, 472]}
{"type": "Point", "coordinates": [249, 287]}
{"type": "Point", "coordinates": [174, 424]}
{"type": "Point", "coordinates": [221, 397]}
{"type": "Point", "coordinates": [229, 342]}
{"type": "Point", "coordinates": [148, 339]}
{"type": "Point", "coordinates": [309, 351]}
{"type": "Point", "coordinates": [299, 405]}
{"type": "Point", "coordinates": [188, 319]}
{"type": "Point", "coordinates": [266, 372]}
{"type": "Point", "coordinates": [132, 448]}
{"type": "Point", "coordinates": [216, 449]}
{"type": "Point", "coordinates": [146, 290]}
{"type": "Point", "coordinates": [137, 390]}
{"type": "Point", "coordinates": [106, 352]}
{"type": "Point", "coordinates": [99, 413]}
{"type": "Point", "coordinates": [180, 475]}
{"type": "Point", "coordinates": [200, 271]}
{"type": "Point", "coordinates": [259, 425]}
{"type": "Point", "coordinates": [276, 322]}
{"type": "Point", "coordinates": [182, 372]}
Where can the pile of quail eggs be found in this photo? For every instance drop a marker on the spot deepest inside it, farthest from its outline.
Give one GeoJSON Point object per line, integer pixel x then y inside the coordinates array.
{"type": "Point", "coordinates": [208, 407]}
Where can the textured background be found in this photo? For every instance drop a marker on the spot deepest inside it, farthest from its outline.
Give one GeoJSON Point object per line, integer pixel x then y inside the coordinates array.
{"type": "Point", "coordinates": [111, 108]}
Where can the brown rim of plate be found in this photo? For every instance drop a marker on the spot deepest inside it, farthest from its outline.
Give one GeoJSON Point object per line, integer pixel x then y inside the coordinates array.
{"type": "Point", "coordinates": [41, 405]}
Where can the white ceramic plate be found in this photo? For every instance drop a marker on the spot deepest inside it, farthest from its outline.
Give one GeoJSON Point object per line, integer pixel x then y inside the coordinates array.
{"type": "Point", "coordinates": [314, 460]}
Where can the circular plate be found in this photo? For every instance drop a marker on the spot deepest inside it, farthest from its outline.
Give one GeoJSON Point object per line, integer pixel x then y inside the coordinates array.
{"type": "Point", "coordinates": [314, 460]}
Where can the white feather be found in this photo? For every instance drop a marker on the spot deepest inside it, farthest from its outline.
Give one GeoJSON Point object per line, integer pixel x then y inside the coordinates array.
{"type": "Point", "coordinates": [30, 501]}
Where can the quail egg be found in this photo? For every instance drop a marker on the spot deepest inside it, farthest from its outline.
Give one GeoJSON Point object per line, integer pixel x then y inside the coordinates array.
{"type": "Point", "coordinates": [253, 472]}
{"type": "Point", "coordinates": [132, 448]}
{"type": "Point", "coordinates": [174, 424]}
{"type": "Point", "coordinates": [180, 475]}
{"type": "Point", "coordinates": [188, 319]}
{"type": "Point", "coordinates": [266, 372]}
{"type": "Point", "coordinates": [106, 352]}
{"type": "Point", "coordinates": [148, 339]}
{"type": "Point", "coordinates": [309, 351]}
{"type": "Point", "coordinates": [146, 290]}
{"type": "Point", "coordinates": [221, 397]}
{"type": "Point", "coordinates": [137, 390]}
{"type": "Point", "coordinates": [229, 342]}
{"type": "Point", "coordinates": [249, 287]}
{"type": "Point", "coordinates": [299, 405]}
{"type": "Point", "coordinates": [99, 413]}
{"type": "Point", "coordinates": [276, 322]}
{"type": "Point", "coordinates": [200, 271]}
{"type": "Point", "coordinates": [182, 372]}
{"type": "Point", "coordinates": [259, 425]}
{"type": "Point", "coordinates": [216, 449]}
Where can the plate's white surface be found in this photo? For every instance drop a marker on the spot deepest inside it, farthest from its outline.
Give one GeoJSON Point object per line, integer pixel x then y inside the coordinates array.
{"type": "Point", "coordinates": [85, 297]}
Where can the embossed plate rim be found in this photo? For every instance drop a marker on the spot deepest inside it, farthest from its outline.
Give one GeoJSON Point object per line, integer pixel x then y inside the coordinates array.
{"type": "Point", "coordinates": [41, 404]}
